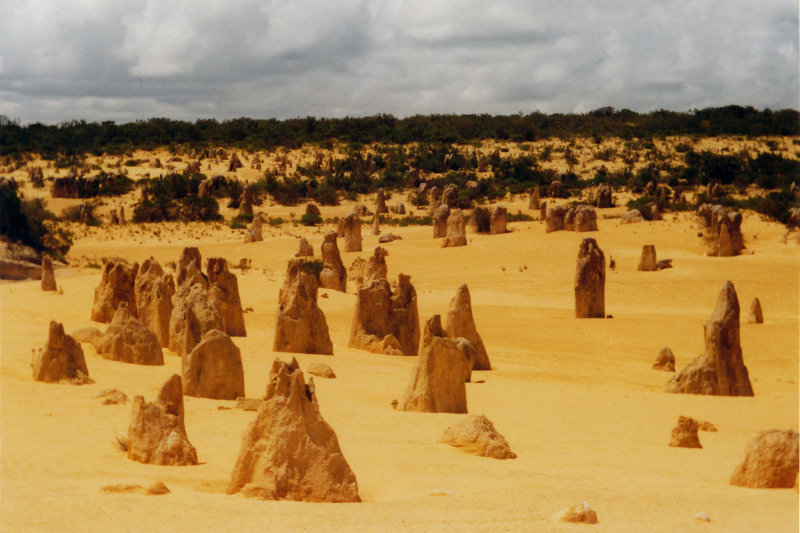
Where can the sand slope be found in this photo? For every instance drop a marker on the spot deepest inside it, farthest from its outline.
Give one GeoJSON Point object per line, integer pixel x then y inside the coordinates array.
{"type": "Point", "coordinates": [576, 399]}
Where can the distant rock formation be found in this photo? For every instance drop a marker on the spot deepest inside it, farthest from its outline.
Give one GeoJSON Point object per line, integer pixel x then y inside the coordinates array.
{"type": "Point", "coordinates": [385, 322]}
{"type": "Point", "coordinates": [556, 189]}
{"type": "Point", "coordinates": [389, 237]}
{"type": "Point", "coordinates": [224, 289]}
{"type": "Point", "coordinates": [304, 249]}
{"type": "Point", "coordinates": [322, 370]}
{"type": "Point", "coordinates": [289, 452]}
{"type": "Point", "coordinates": [724, 238]}
{"type": "Point", "coordinates": [253, 233]}
{"type": "Point", "coordinates": [61, 360]}
{"type": "Point", "coordinates": [459, 322]}
{"type": "Point", "coordinates": [590, 281]}
{"type": "Point", "coordinates": [554, 219]}
{"type": "Point", "coordinates": [380, 203]}
{"type": "Point", "coordinates": [437, 382]}
{"type": "Point", "coordinates": [129, 341]}
{"type": "Point", "coordinates": [301, 326]}
{"type": "Point", "coordinates": [333, 274]}
{"type": "Point", "coordinates": [499, 220]}
{"type": "Point", "coordinates": [477, 435]}
{"type": "Point", "coordinates": [533, 199]}
{"type": "Point", "coordinates": [684, 434]}
{"type": "Point", "coordinates": [48, 276]}
{"type": "Point", "coordinates": [632, 216]}
{"type": "Point", "coordinates": [647, 261]}
{"type": "Point", "coordinates": [213, 369]}
{"type": "Point", "coordinates": [194, 310]}
{"type": "Point", "coordinates": [585, 218]}
{"type": "Point", "coordinates": [117, 285]}
{"type": "Point", "coordinates": [603, 197]}
{"type": "Point", "coordinates": [756, 315]}
{"type": "Point", "coordinates": [156, 433]}
{"type": "Point", "coordinates": [770, 461]}
{"type": "Point", "coordinates": [350, 229]}
{"type": "Point", "coordinates": [665, 360]}
{"type": "Point", "coordinates": [246, 203]}
{"type": "Point", "coordinates": [440, 215]}
{"type": "Point", "coordinates": [154, 290]}
{"type": "Point", "coordinates": [578, 514]}
{"type": "Point", "coordinates": [234, 163]}
{"type": "Point", "coordinates": [720, 370]}
{"type": "Point", "coordinates": [312, 209]}
{"type": "Point", "coordinates": [456, 230]}
{"type": "Point", "coordinates": [376, 224]}
{"type": "Point", "coordinates": [376, 265]}
{"type": "Point", "coordinates": [450, 194]}
{"type": "Point", "coordinates": [190, 254]}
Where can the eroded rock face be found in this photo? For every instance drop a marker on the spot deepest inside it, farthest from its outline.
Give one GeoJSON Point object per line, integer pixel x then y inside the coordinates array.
{"type": "Point", "coordinates": [720, 370]}
{"type": "Point", "coordinates": [684, 434]}
{"type": "Point", "coordinates": [439, 216]}
{"type": "Point", "coordinates": [154, 290]}
{"type": "Point", "coordinates": [190, 254]}
{"type": "Point", "coordinates": [289, 452]}
{"type": "Point", "coordinates": [590, 281]}
{"type": "Point", "coordinates": [350, 229]}
{"type": "Point", "coordinates": [459, 322]}
{"type": "Point", "coordinates": [246, 203]}
{"type": "Point", "coordinates": [456, 230]}
{"type": "Point", "coordinates": [129, 341]}
{"type": "Point", "coordinates": [556, 189]}
{"type": "Point", "coordinates": [48, 276]}
{"type": "Point", "coordinates": [498, 220]}
{"type": "Point", "coordinates": [194, 311]}
{"type": "Point", "coordinates": [665, 360]}
{"type": "Point", "coordinates": [434, 199]}
{"type": "Point", "coordinates": [477, 435]}
{"type": "Point", "coordinates": [213, 369]}
{"type": "Point", "coordinates": [647, 261]}
{"type": "Point", "coordinates": [632, 216]}
{"type": "Point", "coordinates": [117, 285]}
{"type": "Point", "coordinates": [156, 433]}
{"type": "Point", "coordinates": [312, 209]}
{"type": "Point", "coordinates": [376, 265]}
{"type": "Point", "coordinates": [376, 224]}
{"type": "Point", "coordinates": [756, 315]}
{"type": "Point", "coordinates": [554, 219]}
{"type": "Point", "coordinates": [253, 233]}
{"type": "Point", "coordinates": [585, 218]}
{"type": "Point", "coordinates": [437, 382]}
{"type": "Point", "coordinates": [224, 289]}
{"type": "Point", "coordinates": [333, 274]}
{"type": "Point", "coordinates": [386, 322]}
{"type": "Point", "coordinates": [770, 461]}
{"type": "Point", "coordinates": [603, 197]}
{"type": "Point", "coordinates": [61, 360]}
{"type": "Point", "coordinates": [449, 194]}
{"type": "Point", "coordinates": [380, 203]}
{"type": "Point", "coordinates": [579, 514]}
{"type": "Point", "coordinates": [533, 199]}
{"type": "Point", "coordinates": [724, 238]}
{"type": "Point", "coordinates": [304, 248]}
{"type": "Point", "coordinates": [301, 326]}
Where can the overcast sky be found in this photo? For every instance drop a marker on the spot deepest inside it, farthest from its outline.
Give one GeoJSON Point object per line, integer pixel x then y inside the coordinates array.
{"type": "Point", "coordinates": [124, 60]}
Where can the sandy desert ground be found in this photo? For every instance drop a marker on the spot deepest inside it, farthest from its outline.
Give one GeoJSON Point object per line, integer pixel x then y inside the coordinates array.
{"type": "Point", "coordinates": [577, 400]}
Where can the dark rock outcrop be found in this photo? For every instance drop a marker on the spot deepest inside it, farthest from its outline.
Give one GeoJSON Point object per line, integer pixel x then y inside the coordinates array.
{"type": "Point", "coordinates": [590, 281]}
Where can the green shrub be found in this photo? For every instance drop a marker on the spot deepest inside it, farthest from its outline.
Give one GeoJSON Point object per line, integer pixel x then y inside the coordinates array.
{"type": "Point", "coordinates": [311, 266]}
{"type": "Point", "coordinates": [241, 220]}
{"type": "Point", "coordinates": [310, 219]}
{"type": "Point", "coordinates": [519, 217]}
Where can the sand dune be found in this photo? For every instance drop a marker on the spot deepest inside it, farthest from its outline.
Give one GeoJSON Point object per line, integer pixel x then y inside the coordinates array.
{"type": "Point", "coordinates": [576, 399]}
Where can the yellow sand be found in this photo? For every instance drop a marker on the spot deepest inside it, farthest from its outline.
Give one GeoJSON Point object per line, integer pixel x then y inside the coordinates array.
{"type": "Point", "coordinates": [576, 399]}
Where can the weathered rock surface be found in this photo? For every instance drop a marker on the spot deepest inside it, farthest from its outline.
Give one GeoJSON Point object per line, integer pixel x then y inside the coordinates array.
{"type": "Point", "coordinates": [440, 215]}
{"type": "Point", "coordinates": [477, 435]}
{"type": "Point", "coordinates": [253, 233]}
{"type": "Point", "coordinates": [460, 322]}
{"type": "Point", "coordinates": [194, 311]}
{"type": "Point", "coordinates": [304, 248]}
{"type": "Point", "coordinates": [61, 360]}
{"type": "Point", "coordinates": [603, 197]}
{"type": "Point", "coordinates": [590, 281]}
{"type": "Point", "coordinates": [350, 230]}
{"type": "Point", "coordinates": [380, 203]}
{"type": "Point", "coordinates": [386, 322]}
{"type": "Point", "coordinates": [756, 315]}
{"type": "Point", "coordinates": [376, 265]}
{"type": "Point", "coordinates": [585, 218]}
{"type": "Point", "coordinates": [116, 285]}
{"type": "Point", "coordinates": [665, 360]}
{"type": "Point", "coordinates": [246, 203]}
{"type": "Point", "coordinates": [112, 397]}
{"type": "Point", "coordinates": [684, 434]}
{"type": "Point", "coordinates": [189, 255]}
{"type": "Point", "coordinates": [213, 369]}
{"type": "Point", "coordinates": [437, 381]}
{"type": "Point", "coordinates": [154, 290]}
{"type": "Point", "coordinates": [579, 514]}
{"type": "Point", "coordinates": [376, 224]}
{"type": "Point", "coordinates": [322, 370]}
{"type": "Point", "coordinates": [312, 209]}
{"type": "Point", "coordinates": [556, 189]}
{"type": "Point", "coordinates": [724, 235]}
{"type": "Point", "coordinates": [449, 194]}
{"type": "Point", "coordinates": [389, 237]}
{"type": "Point", "coordinates": [301, 326]}
{"type": "Point", "coordinates": [129, 341]}
{"type": "Point", "coordinates": [647, 261]}
{"type": "Point", "coordinates": [224, 289]}
{"type": "Point", "coordinates": [720, 370]}
{"type": "Point", "coordinates": [48, 276]}
{"type": "Point", "coordinates": [770, 461]}
{"type": "Point", "coordinates": [289, 452]}
{"type": "Point", "coordinates": [533, 199]}
{"type": "Point", "coordinates": [156, 433]}
{"type": "Point", "coordinates": [632, 216]}
{"type": "Point", "coordinates": [498, 220]}
{"type": "Point", "coordinates": [554, 219]}
{"type": "Point", "coordinates": [333, 274]}
{"type": "Point", "coordinates": [456, 230]}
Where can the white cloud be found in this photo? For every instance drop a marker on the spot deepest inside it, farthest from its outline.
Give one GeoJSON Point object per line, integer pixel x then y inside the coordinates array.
{"type": "Point", "coordinates": [108, 59]}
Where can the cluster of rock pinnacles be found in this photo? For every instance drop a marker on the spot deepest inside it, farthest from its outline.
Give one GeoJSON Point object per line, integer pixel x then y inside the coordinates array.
{"type": "Point", "coordinates": [196, 314]}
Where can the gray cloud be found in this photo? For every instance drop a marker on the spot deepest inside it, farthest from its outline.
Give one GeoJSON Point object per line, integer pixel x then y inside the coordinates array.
{"type": "Point", "coordinates": [188, 59]}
